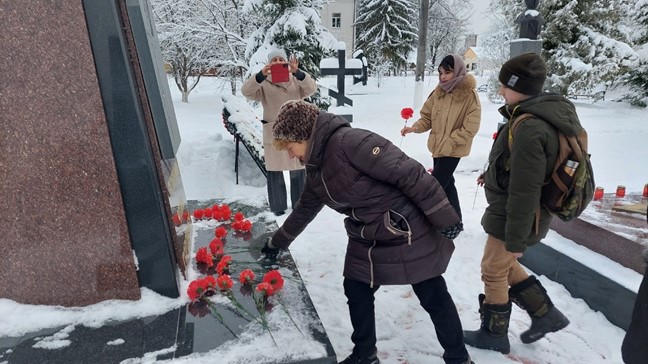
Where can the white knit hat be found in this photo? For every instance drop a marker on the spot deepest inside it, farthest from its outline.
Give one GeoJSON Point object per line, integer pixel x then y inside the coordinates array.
{"type": "Point", "coordinates": [276, 52]}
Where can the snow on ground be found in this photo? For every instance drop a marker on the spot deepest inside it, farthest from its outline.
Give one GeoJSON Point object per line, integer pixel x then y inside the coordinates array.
{"type": "Point", "coordinates": [618, 135]}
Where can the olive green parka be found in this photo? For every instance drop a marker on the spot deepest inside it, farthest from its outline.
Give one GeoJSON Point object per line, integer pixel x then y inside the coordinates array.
{"type": "Point", "coordinates": [513, 179]}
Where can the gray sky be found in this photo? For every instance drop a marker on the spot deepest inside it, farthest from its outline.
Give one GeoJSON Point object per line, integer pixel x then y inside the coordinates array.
{"type": "Point", "coordinates": [480, 20]}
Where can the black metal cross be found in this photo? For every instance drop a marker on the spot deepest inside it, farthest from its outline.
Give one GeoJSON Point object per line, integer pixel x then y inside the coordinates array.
{"type": "Point", "coordinates": [340, 72]}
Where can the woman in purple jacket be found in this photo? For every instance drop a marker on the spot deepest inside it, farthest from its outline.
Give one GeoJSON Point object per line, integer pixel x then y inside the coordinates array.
{"type": "Point", "coordinates": [399, 221]}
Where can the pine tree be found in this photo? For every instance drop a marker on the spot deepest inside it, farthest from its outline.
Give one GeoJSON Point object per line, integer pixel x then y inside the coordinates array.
{"type": "Point", "coordinates": [385, 30]}
{"type": "Point", "coordinates": [583, 44]}
{"type": "Point", "coordinates": [637, 78]}
{"type": "Point", "coordinates": [296, 27]}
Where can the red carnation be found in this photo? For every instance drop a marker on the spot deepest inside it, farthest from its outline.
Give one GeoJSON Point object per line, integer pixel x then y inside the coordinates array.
{"type": "Point", "coordinates": [176, 220]}
{"type": "Point", "coordinates": [407, 113]}
{"type": "Point", "coordinates": [239, 216]}
{"type": "Point", "coordinates": [226, 211]}
{"type": "Point", "coordinates": [265, 288]}
{"type": "Point", "coordinates": [198, 214]}
{"type": "Point", "coordinates": [208, 212]}
{"type": "Point", "coordinates": [494, 135]}
{"type": "Point", "coordinates": [274, 279]}
{"type": "Point", "coordinates": [194, 291]}
{"type": "Point", "coordinates": [223, 265]}
{"type": "Point", "coordinates": [242, 226]}
{"type": "Point", "coordinates": [216, 247]}
{"type": "Point", "coordinates": [210, 282]}
{"type": "Point", "coordinates": [246, 277]}
{"type": "Point", "coordinates": [217, 215]}
{"type": "Point", "coordinates": [203, 257]}
{"type": "Point", "coordinates": [220, 232]}
{"type": "Point", "coordinates": [225, 282]}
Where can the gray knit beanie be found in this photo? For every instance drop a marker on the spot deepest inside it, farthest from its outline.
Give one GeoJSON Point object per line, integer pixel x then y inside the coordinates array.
{"type": "Point", "coordinates": [525, 74]}
{"type": "Point", "coordinates": [276, 52]}
{"type": "Point", "coordinates": [295, 121]}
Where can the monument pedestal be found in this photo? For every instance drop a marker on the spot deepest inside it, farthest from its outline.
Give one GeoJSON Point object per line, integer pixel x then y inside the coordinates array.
{"type": "Point", "coordinates": [525, 45]}
{"type": "Point", "coordinates": [189, 331]}
{"type": "Point", "coordinates": [90, 183]}
{"type": "Point", "coordinates": [603, 231]}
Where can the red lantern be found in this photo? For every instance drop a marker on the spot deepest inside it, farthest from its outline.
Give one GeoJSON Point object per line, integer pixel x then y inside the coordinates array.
{"type": "Point", "coordinates": [598, 193]}
{"type": "Point", "coordinates": [620, 192]}
{"type": "Point", "coordinates": [645, 191]}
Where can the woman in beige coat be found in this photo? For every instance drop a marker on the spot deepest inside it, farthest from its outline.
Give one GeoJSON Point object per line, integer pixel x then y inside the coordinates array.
{"type": "Point", "coordinates": [452, 114]}
{"type": "Point", "coordinates": [260, 87]}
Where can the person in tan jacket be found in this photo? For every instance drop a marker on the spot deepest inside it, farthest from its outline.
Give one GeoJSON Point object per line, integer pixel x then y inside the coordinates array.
{"type": "Point", "coordinates": [452, 114]}
{"type": "Point", "coordinates": [260, 87]}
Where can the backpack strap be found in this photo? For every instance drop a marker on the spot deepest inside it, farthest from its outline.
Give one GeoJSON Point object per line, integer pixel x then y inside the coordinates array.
{"type": "Point", "coordinates": [514, 124]}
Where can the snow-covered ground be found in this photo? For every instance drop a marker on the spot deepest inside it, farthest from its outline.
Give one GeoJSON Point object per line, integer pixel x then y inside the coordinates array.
{"type": "Point", "coordinates": [618, 135]}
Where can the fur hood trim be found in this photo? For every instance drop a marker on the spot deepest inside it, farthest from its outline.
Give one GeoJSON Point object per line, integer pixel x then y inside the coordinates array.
{"type": "Point", "coordinates": [468, 84]}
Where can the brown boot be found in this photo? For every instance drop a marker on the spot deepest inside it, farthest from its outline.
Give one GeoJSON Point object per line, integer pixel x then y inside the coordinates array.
{"type": "Point", "coordinates": [545, 317]}
{"type": "Point", "coordinates": [492, 334]}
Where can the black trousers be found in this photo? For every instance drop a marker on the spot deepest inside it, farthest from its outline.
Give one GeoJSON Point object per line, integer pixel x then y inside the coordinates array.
{"type": "Point", "coordinates": [443, 171]}
{"type": "Point", "coordinates": [634, 349]}
{"type": "Point", "coordinates": [277, 189]}
{"type": "Point", "coordinates": [434, 298]}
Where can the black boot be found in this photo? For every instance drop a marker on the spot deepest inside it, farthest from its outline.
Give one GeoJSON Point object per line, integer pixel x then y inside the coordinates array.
{"type": "Point", "coordinates": [492, 334]}
{"type": "Point", "coordinates": [545, 317]}
{"type": "Point", "coordinates": [362, 359]}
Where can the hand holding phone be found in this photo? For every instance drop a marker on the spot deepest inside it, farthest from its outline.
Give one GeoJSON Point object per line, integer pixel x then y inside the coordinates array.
{"type": "Point", "coordinates": [280, 72]}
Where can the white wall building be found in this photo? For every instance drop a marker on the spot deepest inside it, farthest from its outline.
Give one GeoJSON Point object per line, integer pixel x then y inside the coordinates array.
{"type": "Point", "coordinates": [338, 17]}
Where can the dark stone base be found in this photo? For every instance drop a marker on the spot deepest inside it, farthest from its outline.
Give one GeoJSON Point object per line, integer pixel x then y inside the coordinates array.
{"type": "Point", "coordinates": [185, 331]}
{"type": "Point", "coordinates": [599, 292]}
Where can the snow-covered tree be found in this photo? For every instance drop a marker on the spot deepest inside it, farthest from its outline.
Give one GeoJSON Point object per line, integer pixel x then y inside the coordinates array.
{"type": "Point", "coordinates": [584, 45]}
{"type": "Point", "coordinates": [509, 10]}
{"type": "Point", "coordinates": [185, 49]}
{"type": "Point", "coordinates": [385, 28]}
{"type": "Point", "coordinates": [227, 25]}
{"type": "Point", "coordinates": [296, 27]}
{"type": "Point", "coordinates": [494, 50]}
{"type": "Point", "coordinates": [637, 78]}
{"type": "Point", "coordinates": [293, 25]}
{"type": "Point", "coordinates": [446, 29]}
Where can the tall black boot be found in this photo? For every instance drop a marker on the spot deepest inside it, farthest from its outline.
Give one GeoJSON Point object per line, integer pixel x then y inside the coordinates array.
{"type": "Point", "coordinates": [492, 334]}
{"type": "Point", "coordinates": [545, 317]}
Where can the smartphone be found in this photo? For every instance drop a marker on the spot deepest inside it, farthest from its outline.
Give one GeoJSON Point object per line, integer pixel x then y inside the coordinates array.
{"type": "Point", "coordinates": [279, 72]}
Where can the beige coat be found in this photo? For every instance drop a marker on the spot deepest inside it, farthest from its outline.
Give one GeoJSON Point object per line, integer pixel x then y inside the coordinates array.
{"type": "Point", "coordinates": [272, 96]}
{"type": "Point", "coordinates": [452, 119]}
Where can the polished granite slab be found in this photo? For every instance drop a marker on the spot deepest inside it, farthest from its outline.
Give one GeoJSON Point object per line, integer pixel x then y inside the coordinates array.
{"type": "Point", "coordinates": [188, 330]}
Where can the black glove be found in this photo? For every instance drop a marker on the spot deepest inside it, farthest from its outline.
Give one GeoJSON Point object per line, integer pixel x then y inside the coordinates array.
{"type": "Point", "coordinates": [270, 250]}
{"type": "Point", "coordinates": [452, 231]}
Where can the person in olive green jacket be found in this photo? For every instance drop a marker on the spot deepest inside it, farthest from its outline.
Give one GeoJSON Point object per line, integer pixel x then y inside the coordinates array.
{"type": "Point", "coordinates": [452, 114]}
{"type": "Point", "coordinates": [514, 219]}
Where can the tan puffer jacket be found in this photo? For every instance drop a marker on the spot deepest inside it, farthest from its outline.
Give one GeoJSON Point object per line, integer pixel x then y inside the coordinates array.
{"type": "Point", "coordinates": [452, 118]}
